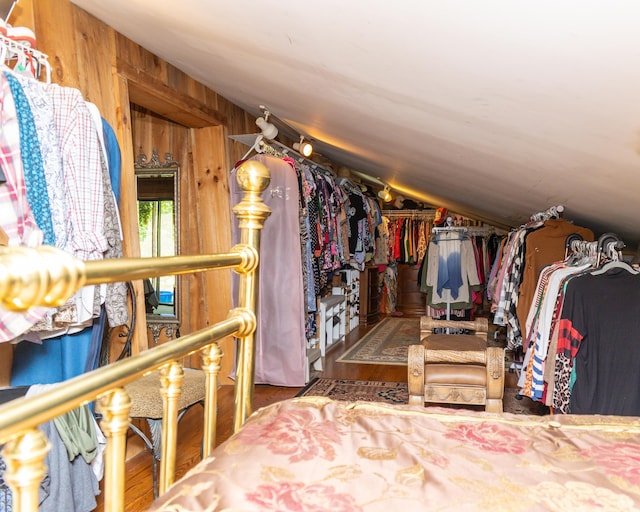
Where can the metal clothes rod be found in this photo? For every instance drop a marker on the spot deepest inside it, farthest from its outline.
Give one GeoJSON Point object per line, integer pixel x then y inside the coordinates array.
{"type": "Point", "coordinates": [552, 212]}
{"type": "Point", "coordinates": [278, 149]}
{"type": "Point", "coordinates": [442, 229]}
{"type": "Point", "coordinates": [412, 214]}
{"type": "Point", "coordinates": [481, 230]}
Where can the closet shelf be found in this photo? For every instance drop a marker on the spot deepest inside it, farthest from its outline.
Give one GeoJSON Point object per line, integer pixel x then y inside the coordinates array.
{"type": "Point", "coordinates": [332, 323]}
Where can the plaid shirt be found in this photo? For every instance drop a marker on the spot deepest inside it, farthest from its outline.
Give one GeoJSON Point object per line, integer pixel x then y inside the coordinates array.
{"type": "Point", "coordinates": [569, 340]}
{"type": "Point", "coordinates": [82, 169]}
{"type": "Point", "coordinates": [505, 312]}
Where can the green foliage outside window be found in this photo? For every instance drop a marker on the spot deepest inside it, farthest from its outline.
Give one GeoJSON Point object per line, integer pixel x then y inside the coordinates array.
{"type": "Point", "coordinates": [145, 209]}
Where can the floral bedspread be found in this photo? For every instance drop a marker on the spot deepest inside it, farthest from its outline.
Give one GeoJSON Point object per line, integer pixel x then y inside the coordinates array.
{"type": "Point", "coordinates": [314, 454]}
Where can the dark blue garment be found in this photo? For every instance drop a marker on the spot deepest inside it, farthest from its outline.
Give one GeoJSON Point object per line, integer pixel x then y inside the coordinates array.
{"type": "Point", "coordinates": [55, 360]}
{"type": "Point", "coordinates": [93, 356]}
{"type": "Point", "coordinates": [449, 266]}
{"type": "Point", "coordinates": [36, 183]}
{"type": "Point", "coordinates": [114, 158]}
{"type": "Point", "coordinates": [37, 364]}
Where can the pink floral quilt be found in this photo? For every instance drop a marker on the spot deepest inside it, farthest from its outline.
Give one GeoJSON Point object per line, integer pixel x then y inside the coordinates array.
{"type": "Point", "coordinates": [314, 454]}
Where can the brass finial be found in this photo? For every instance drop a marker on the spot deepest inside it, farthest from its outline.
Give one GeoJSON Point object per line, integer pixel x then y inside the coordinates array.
{"type": "Point", "coordinates": [254, 178]}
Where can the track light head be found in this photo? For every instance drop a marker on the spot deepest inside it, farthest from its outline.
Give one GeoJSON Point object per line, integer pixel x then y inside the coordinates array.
{"type": "Point", "coordinates": [385, 194]}
{"type": "Point", "coordinates": [269, 130]}
{"type": "Point", "coordinates": [303, 147]}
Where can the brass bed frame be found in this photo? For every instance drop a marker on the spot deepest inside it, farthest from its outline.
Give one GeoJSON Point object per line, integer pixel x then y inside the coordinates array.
{"type": "Point", "coordinates": [48, 277]}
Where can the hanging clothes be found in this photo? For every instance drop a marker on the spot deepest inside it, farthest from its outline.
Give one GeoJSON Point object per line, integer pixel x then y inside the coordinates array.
{"type": "Point", "coordinates": [543, 247]}
{"type": "Point", "coordinates": [581, 332]}
{"type": "Point", "coordinates": [381, 255]}
{"type": "Point", "coordinates": [52, 143]}
{"type": "Point", "coordinates": [408, 237]}
{"type": "Point", "coordinates": [51, 158]}
{"type": "Point", "coordinates": [527, 250]}
{"type": "Point", "coordinates": [81, 159]}
{"type": "Point", "coordinates": [32, 166]}
{"type": "Point", "coordinates": [540, 323]}
{"type": "Point", "coordinates": [599, 328]}
{"type": "Point", "coordinates": [16, 216]}
{"type": "Point", "coordinates": [450, 271]}
{"type": "Point", "coordinates": [280, 336]}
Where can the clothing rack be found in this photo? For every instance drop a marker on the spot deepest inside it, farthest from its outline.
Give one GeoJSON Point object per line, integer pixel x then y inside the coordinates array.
{"type": "Point", "coordinates": [411, 214]}
{"type": "Point", "coordinates": [609, 246]}
{"type": "Point", "coordinates": [275, 148]}
{"type": "Point", "coordinates": [450, 229]}
{"type": "Point", "coordinates": [267, 149]}
{"type": "Point", "coordinates": [606, 248]}
{"type": "Point", "coordinates": [481, 230]}
{"type": "Point", "coordinates": [430, 215]}
{"type": "Point", "coordinates": [571, 242]}
{"type": "Point", "coordinates": [349, 185]}
{"type": "Point", "coordinates": [24, 57]}
{"type": "Point", "coordinates": [581, 249]}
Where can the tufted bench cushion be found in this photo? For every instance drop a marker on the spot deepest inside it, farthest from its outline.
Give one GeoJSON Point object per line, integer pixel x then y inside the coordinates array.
{"type": "Point", "coordinates": [147, 400]}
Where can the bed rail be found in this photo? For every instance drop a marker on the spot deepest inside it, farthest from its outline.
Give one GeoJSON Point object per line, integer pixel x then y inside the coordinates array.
{"type": "Point", "coordinates": [46, 276]}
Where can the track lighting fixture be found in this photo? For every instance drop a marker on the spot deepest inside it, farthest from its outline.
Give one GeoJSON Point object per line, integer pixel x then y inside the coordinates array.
{"type": "Point", "coordinates": [303, 147]}
{"type": "Point", "coordinates": [269, 130]}
{"type": "Point", "coordinates": [385, 194]}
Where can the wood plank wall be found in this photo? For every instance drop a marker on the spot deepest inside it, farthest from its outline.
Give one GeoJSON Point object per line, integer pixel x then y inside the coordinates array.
{"type": "Point", "coordinates": [182, 116]}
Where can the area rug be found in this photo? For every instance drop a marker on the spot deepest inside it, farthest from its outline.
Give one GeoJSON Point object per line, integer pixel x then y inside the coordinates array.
{"type": "Point", "coordinates": [386, 343]}
{"type": "Point", "coordinates": [397, 393]}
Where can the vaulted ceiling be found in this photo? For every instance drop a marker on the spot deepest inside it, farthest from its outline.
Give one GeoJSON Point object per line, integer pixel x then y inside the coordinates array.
{"type": "Point", "coordinates": [497, 109]}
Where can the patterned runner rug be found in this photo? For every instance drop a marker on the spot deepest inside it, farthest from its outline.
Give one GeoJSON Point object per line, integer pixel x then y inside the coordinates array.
{"type": "Point", "coordinates": [386, 343]}
{"type": "Point", "coordinates": [396, 393]}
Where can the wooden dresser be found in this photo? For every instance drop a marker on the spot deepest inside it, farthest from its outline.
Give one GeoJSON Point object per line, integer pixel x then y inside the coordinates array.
{"type": "Point", "coordinates": [370, 295]}
{"type": "Point", "coordinates": [411, 301]}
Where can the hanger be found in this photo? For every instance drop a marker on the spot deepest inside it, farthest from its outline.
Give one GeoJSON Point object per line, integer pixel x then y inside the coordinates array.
{"type": "Point", "coordinates": [614, 264]}
{"type": "Point", "coordinates": [449, 227]}
{"type": "Point", "coordinates": [24, 65]}
{"type": "Point", "coordinates": [573, 237]}
{"type": "Point", "coordinates": [460, 232]}
{"type": "Point", "coordinates": [347, 184]}
{"type": "Point", "coordinates": [43, 62]}
{"type": "Point", "coordinates": [3, 52]}
{"type": "Point", "coordinates": [582, 253]}
{"type": "Point", "coordinates": [257, 146]}
{"type": "Point", "coordinates": [610, 245]}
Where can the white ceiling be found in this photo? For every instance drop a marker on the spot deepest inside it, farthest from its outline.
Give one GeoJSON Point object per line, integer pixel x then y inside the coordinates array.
{"type": "Point", "coordinates": [498, 108]}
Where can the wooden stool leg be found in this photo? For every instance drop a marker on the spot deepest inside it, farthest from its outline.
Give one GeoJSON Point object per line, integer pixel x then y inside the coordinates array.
{"type": "Point", "coordinates": [415, 367]}
{"type": "Point", "coordinates": [495, 379]}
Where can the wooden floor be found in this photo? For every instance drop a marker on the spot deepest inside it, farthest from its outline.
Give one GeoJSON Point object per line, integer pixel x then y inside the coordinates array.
{"type": "Point", "coordinates": [138, 482]}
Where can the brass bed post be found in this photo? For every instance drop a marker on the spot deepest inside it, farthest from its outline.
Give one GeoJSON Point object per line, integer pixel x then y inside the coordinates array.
{"type": "Point", "coordinates": [171, 377]}
{"type": "Point", "coordinates": [211, 365]}
{"type": "Point", "coordinates": [253, 177]}
{"type": "Point", "coordinates": [115, 407]}
{"type": "Point", "coordinates": [24, 456]}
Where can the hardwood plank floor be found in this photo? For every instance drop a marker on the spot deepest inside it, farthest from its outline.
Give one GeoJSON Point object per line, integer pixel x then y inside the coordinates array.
{"type": "Point", "coordinates": [138, 482]}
